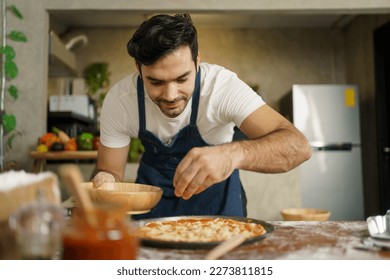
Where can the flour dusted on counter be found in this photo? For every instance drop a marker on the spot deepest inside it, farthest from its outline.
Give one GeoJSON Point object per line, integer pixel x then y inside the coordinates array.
{"type": "Point", "coordinates": [15, 179]}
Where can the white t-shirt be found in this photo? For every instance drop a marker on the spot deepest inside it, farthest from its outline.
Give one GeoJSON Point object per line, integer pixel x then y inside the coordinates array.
{"type": "Point", "coordinates": [225, 101]}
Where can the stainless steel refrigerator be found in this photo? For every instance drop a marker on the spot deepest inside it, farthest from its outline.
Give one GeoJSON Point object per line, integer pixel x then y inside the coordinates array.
{"type": "Point", "coordinates": [328, 115]}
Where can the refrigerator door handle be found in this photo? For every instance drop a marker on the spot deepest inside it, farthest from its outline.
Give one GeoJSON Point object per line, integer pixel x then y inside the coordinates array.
{"type": "Point", "coordinates": [332, 146]}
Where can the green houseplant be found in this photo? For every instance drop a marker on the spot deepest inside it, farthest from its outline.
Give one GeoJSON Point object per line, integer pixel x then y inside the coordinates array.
{"type": "Point", "coordinates": [9, 71]}
{"type": "Point", "coordinates": [97, 79]}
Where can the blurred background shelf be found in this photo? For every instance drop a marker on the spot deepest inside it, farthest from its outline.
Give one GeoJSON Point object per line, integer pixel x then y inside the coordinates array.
{"type": "Point", "coordinates": [40, 158]}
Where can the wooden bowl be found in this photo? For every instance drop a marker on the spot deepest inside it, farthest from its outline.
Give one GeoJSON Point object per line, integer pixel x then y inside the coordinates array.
{"type": "Point", "coordinates": [305, 214]}
{"type": "Point", "coordinates": [136, 198]}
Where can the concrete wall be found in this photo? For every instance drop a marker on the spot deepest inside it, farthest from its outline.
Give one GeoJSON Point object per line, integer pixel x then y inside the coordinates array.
{"type": "Point", "coordinates": [272, 59]}
{"type": "Point", "coordinates": [32, 60]}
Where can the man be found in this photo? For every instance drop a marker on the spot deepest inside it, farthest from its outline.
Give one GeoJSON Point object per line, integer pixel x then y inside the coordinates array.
{"type": "Point", "coordinates": [184, 112]}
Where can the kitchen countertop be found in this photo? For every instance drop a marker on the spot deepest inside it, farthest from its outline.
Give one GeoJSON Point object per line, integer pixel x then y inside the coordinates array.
{"type": "Point", "coordinates": [299, 240]}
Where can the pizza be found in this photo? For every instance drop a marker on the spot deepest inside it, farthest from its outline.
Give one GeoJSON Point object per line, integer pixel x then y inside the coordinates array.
{"type": "Point", "coordinates": [199, 230]}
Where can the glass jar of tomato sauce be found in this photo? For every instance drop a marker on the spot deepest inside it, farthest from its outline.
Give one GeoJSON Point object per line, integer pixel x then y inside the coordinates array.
{"type": "Point", "coordinates": [105, 233]}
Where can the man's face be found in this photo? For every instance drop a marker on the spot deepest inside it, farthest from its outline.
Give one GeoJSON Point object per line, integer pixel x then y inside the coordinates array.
{"type": "Point", "coordinates": [170, 81]}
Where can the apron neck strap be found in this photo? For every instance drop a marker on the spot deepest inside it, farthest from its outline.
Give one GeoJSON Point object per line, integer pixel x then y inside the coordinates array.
{"type": "Point", "coordinates": [195, 99]}
{"type": "Point", "coordinates": [141, 104]}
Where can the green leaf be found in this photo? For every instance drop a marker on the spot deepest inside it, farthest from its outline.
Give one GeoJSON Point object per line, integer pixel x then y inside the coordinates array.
{"type": "Point", "coordinates": [11, 70]}
{"type": "Point", "coordinates": [10, 141]}
{"type": "Point", "coordinates": [8, 51]}
{"type": "Point", "coordinates": [9, 123]}
{"type": "Point", "coordinates": [13, 91]}
{"type": "Point", "coordinates": [17, 36]}
{"type": "Point", "coordinates": [15, 11]}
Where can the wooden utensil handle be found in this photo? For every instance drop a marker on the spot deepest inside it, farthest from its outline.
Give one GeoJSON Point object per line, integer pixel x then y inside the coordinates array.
{"type": "Point", "coordinates": [225, 247]}
{"type": "Point", "coordinates": [73, 178]}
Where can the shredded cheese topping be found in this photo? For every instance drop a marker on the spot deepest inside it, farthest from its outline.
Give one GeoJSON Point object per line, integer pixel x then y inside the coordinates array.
{"type": "Point", "coordinates": [199, 230]}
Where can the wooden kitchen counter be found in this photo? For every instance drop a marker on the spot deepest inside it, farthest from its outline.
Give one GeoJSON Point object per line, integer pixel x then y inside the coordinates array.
{"type": "Point", "coordinates": [292, 240]}
{"type": "Point", "coordinates": [40, 158]}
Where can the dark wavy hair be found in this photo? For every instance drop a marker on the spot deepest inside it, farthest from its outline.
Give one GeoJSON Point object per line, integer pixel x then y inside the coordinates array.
{"type": "Point", "coordinates": [160, 35]}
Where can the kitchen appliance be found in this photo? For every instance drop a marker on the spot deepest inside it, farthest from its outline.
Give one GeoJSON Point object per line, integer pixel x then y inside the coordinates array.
{"type": "Point", "coordinates": [328, 115]}
{"type": "Point", "coordinates": [79, 104]}
{"type": "Point", "coordinates": [73, 114]}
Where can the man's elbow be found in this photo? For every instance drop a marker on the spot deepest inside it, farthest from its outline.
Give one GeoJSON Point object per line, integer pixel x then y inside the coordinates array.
{"type": "Point", "coordinates": [306, 152]}
{"type": "Point", "coordinates": [299, 154]}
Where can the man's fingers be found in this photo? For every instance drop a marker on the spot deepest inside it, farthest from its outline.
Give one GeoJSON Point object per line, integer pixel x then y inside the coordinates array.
{"type": "Point", "coordinates": [197, 185]}
{"type": "Point", "coordinates": [184, 174]}
{"type": "Point", "coordinates": [199, 170]}
{"type": "Point", "coordinates": [102, 177]}
{"type": "Point", "coordinates": [182, 167]}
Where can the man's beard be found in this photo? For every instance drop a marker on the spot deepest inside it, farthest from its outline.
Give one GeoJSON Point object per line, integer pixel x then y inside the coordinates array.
{"type": "Point", "coordinates": [172, 108]}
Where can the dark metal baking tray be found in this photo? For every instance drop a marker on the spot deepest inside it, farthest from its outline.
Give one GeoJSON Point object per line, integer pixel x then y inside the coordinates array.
{"type": "Point", "coordinates": [199, 245]}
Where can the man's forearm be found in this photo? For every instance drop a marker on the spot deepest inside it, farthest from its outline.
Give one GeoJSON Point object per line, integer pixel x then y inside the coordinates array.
{"type": "Point", "coordinates": [279, 151]}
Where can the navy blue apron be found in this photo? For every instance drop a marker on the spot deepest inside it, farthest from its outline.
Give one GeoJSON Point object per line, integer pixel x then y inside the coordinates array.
{"type": "Point", "coordinates": [159, 162]}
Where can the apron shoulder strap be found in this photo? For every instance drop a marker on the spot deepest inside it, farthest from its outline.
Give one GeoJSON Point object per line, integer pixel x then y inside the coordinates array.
{"type": "Point", "coordinates": [141, 104]}
{"type": "Point", "coordinates": [195, 99]}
